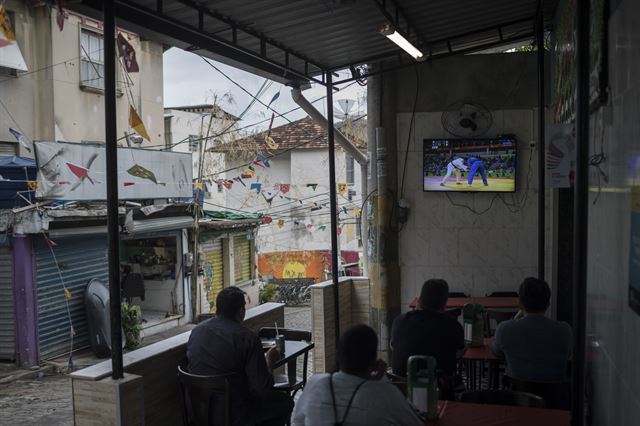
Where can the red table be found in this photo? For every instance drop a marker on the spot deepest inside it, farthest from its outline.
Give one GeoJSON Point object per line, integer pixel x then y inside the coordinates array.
{"type": "Point", "coordinates": [465, 414]}
{"type": "Point", "coordinates": [487, 302]}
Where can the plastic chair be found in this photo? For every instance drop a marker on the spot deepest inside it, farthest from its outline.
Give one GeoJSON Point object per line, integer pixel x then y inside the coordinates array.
{"type": "Point", "coordinates": [498, 317]}
{"type": "Point", "coordinates": [503, 397]}
{"type": "Point", "coordinates": [289, 382]}
{"type": "Point", "coordinates": [556, 395]}
{"type": "Point", "coordinates": [198, 392]}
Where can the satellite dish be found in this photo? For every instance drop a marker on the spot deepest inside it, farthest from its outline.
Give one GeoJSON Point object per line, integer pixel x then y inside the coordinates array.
{"type": "Point", "coordinates": [467, 119]}
{"type": "Point", "coordinates": [343, 108]}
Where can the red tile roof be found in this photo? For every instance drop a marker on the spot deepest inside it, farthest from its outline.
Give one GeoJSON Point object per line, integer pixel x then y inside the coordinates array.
{"type": "Point", "coordinates": [301, 134]}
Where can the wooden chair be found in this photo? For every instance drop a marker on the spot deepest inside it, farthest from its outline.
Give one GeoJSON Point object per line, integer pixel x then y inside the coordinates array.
{"type": "Point", "coordinates": [289, 382]}
{"type": "Point", "coordinates": [197, 394]}
{"type": "Point", "coordinates": [503, 397]}
{"type": "Point", "coordinates": [556, 395]}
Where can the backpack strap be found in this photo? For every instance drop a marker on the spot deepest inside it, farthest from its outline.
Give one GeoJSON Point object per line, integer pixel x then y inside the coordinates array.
{"type": "Point", "coordinates": [333, 400]}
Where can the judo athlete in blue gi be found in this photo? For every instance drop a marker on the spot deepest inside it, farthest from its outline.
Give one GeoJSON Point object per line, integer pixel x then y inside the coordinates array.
{"type": "Point", "coordinates": [476, 166]}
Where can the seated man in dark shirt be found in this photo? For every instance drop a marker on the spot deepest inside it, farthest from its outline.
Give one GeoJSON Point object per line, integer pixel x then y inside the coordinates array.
{"type": "Point", "coordinates": [535, 347]}
{"type": "Point", "coordinates": [222, 345]}
{"type": "Point", "coordinates": [427, 331]}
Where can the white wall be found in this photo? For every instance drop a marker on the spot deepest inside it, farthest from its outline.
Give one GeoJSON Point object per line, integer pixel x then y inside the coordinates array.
{"type": "Point", "coordinates": [475, 253]}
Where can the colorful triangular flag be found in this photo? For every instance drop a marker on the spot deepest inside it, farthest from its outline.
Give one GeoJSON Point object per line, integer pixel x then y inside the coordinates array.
{"type": "Point", "coordinates": [322, 227]}
{"type": "Point", "coordinates": [274, 98]}
{"type": "Point", "coordinates": [239, 179]}
{"type": "Point", "coordinates": [135, 122]}
{"type": "Point", "coordinates": [67, 293]}
{"type": "Point", "coordinates": [7, 36]}
{"type": "Point", "coordinates": [285, 187]}
{"type": "Point", "coordinates": [280, 223]}
{"type": "Point", "coordinates": [342, 189]}
{"type": "Point", "coordinates": [267, 220]}
{"type": "Point", "coordinates": [127, 53]}
{"type": "Point", "coordinates": [312, 186]}
{"type": "Point", "coordinates": [20, 138]}
{"type": "Point", "coordinates": [271, 144]}
{"type": "Point", "coordinates": [256, 186]}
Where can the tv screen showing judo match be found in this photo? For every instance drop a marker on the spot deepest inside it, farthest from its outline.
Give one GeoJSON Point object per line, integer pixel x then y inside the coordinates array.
{"type": "Point", "coordinates": [470, 165]}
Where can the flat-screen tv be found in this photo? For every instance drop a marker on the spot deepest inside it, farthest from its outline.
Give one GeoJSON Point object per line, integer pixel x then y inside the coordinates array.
{"type": "Point", "coordinates": [470, 165]}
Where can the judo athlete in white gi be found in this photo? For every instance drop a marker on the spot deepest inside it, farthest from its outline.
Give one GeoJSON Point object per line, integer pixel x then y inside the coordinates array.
{"type": "Point", "coordinates": [456, 165]}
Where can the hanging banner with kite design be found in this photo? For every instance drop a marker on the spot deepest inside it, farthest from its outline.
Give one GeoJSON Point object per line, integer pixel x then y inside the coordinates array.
{"type": "Point", "coordinates": [71, 171]}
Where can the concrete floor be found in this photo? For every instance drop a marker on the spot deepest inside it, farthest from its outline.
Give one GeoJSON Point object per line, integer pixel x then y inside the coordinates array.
{"type": "Point", "coordinates": [46, 400]}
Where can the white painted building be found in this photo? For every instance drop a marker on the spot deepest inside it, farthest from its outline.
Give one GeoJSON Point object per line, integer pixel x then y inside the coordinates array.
{"type": "Point", "coordinates": [297, 218]}
{"type": "Point", "coordinates": [186, 129]}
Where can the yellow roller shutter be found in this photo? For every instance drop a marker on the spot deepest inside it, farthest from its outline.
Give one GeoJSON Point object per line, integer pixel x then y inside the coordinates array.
{"type": "Point", "coordinates": [242, 258]}
{"type": "Point", "coordinates": [213, 279]}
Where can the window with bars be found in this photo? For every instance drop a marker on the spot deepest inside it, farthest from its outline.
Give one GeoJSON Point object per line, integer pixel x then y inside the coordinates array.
{"type": "Point", "coordinates": [91, 60]}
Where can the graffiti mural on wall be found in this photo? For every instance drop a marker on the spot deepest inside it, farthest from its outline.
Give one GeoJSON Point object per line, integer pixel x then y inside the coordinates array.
{"type": "Point", "coordinates": [300, 264]}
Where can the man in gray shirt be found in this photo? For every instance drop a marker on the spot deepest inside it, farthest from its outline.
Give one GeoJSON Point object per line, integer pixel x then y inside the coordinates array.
{"type": "Point", "coordinates": [222, 345]}
{"type": "Point", "coordinates": [536, 348]}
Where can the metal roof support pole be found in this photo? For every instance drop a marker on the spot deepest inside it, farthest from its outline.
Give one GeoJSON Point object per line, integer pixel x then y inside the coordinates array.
{"type": "Point", "coordinates": [111, 150]}
{"type": "Point", "coordinates": [581, 215]}
{"type": "Point", "coordinates": [541, 143]}
{"type": "Point", "coordinates": [333, 206]}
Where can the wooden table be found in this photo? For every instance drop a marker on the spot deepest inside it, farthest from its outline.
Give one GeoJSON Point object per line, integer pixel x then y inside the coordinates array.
{"type": "Point", "coordinates": [510, 303]}
{"type": "Point", "coordinates": [292, 350]}
{"type": "Point", "coordinates": [465, 414]}
{"type": "Point", "coordinates": [475, 358]}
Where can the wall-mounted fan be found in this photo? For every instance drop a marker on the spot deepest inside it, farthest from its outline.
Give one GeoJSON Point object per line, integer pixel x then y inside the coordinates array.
{"type": "Point", "coordinates": [467, 119]}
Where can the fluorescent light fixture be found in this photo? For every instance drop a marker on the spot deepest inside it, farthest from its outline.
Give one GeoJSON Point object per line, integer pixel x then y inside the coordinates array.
{"type": "Point", "coordinates": [393, 35]}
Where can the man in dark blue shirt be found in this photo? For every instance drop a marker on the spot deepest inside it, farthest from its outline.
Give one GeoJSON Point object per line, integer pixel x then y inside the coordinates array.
{"type": "Point", "coordinates": [535, 347]}
{"type": "Point", "coordinates": [428, 331]}
{"type": "Point", "coordinates": [222, 345]}
{"type": "Point", "coordinates": [476, 166]}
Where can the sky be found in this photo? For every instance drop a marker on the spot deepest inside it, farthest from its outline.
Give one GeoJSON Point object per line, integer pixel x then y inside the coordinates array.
{"type": "Point", "coordinates": [188, 80]}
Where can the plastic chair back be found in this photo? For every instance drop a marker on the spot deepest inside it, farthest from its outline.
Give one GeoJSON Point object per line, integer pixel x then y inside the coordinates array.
{"type": "Point", "coordinates": [201, 394]}
{"type": "Point", "coordinates": [557, 395]}
{"type": "Point", "coordinates": [503, 397]}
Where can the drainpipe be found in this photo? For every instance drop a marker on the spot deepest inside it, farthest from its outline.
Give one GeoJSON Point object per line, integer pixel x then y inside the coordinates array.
{"type": "Point", "coordinates": [350, 148]}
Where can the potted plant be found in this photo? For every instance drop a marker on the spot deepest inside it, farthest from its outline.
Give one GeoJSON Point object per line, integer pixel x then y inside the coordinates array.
{"type": "Point", "coordinates": [131, 325]}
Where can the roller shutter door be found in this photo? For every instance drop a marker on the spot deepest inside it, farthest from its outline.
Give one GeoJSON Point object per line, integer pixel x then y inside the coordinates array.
{"type": "Point", "coordinates": [81, 259]}
{"type": "Point", "coordinates": [7, 317]}
{"type": "Point", "coordinates": [213, 280]}
{"type": "Point", "coordinates": [242, 259]}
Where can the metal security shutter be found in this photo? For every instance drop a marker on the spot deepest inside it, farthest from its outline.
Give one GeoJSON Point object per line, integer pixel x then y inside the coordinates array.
{"type": "Point", "coordinates": [7, 318]}
{"type": "Point", "coordinates": [242, 258]}
{"type": "Point", "coordinates": [81, 258]}
{"type": "Point", "coordinates": [213, 272]}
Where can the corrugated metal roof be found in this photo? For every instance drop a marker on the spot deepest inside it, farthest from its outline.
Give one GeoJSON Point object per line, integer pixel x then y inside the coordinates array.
{"type": "Point", "coordinates": [308, 36]}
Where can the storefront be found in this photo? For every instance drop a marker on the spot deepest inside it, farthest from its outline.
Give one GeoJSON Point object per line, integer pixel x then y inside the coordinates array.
{"type": "Point", "coordinates": [155, 276]}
